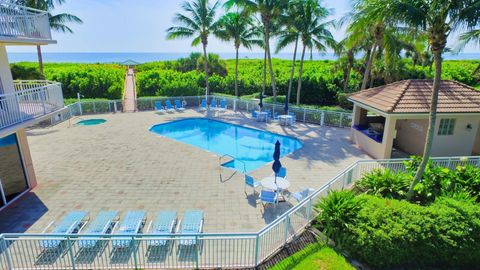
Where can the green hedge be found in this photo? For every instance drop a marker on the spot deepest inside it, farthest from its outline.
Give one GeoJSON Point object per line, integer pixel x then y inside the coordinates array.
{"type": "Point", "coordinates": [322, 80]}
{"type": "Point", "coordinates": [387, 233]}
{"type": "Point", "coordinates": [90, 80]}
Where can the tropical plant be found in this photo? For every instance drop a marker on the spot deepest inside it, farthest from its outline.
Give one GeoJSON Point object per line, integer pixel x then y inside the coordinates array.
{"type": "Point", "coordinates": [238, 26]}
{"type": "Point", "coordinates": [313, 31]}
{"type": "Point", "coordinates": [437, 18]}
{"type": "Point", "coordinates": [199, 24]}
{"type": "Point", "coordinates": [58, 22]}
{"type": "Point", "coordinates": [269, 11]}
{"type": "Point", "coordinates": [337, 211]}
{"type": "Point", "coordinates": [384, 183]}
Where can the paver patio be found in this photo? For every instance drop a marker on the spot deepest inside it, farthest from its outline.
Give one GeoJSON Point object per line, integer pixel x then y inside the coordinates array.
{"type": "Point", "coordinates": [121, 166]}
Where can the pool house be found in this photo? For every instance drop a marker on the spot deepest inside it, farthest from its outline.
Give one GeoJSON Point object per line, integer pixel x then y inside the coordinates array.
{"type": "Point", "coordinates": [392, 120]}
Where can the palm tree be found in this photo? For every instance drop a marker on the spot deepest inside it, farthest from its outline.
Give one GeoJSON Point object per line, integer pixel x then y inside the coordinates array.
{"type": "Point", "coordinates": [313, 31]}
{"type": "Point", "coordinates": [199, 24]}
{"type": "Point", "coordinates": [468, 37]}
{"type": "Point", "coordinates": [373, 29]}
{"type": "Point", "coordinates": [287, 36]}
{"type": "Point", "coordinates": [269, 11]}
{"type": "Point", "coordinates": [238, 26]}
{"type": "Point", "coordinates": [57, 22]}
{"type": "Point", "coordinates": [437, 18]}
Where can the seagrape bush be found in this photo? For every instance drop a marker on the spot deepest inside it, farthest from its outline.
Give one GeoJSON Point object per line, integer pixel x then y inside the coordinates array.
{"type": "Point", "coordinates": [90, 80]}
{"type": "Point", "coordinates": [170, 83]}
{"type": "Point", "coordinates": [321, 83]}
{"type": "Point", "coordinates": [320, 86]}
{"type": "Point", "coordinates": [392, 234]}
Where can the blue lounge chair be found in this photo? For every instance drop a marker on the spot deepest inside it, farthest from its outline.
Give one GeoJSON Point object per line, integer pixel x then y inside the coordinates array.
{"type": "Point", "coordinates": [223, 105]}
{"type": "Point", "coordinates": [179, 105]}
{"type": "Point", "coordinates": [132, 224]}
{"type": "Point", "coordinates": [71, 223]}
{"type": "Point", "coordinates": [192, 223]}
{"type": "Point", "coordinates": [250, 181]}
{"type": "Point", "coordinates": [300, 195]}
{"type": "Point", "coordinates": [254, 114]}
{"type": "Point", "coordinates": [163, 224]}
{"type": "Point", "coordinates": [104, 223]}
{"type": "Point", "coordinates": [158, 107]}
{"type": "Point", "coordinates": [203, 105]}
{"type": "Point", "coordinates": [168, 106]}
{"type": "Point", "coordinates": [268, 197]}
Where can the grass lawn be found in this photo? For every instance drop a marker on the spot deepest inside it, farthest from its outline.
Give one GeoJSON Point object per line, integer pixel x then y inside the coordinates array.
{"type": "Point", "coordinates": [314, 256]}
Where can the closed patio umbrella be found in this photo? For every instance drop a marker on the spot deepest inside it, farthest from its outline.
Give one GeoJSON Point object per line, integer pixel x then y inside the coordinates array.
{"type": "Point", "coordinates": [286, 105]}
{"type": "Point", "coordinates": [276, 166]}
{"type": "Point", "coordinates": [260, 104]}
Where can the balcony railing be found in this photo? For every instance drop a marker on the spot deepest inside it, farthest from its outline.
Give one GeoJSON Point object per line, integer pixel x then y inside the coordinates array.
{"type": "Point", "coordinates": [19, 22]}
{"type": "Point", "coordinates": [31, 99]}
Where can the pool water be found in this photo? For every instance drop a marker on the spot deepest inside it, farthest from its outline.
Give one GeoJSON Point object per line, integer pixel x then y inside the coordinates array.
{"type": "Point", "coordinates": [250, 147]}
{"type": "Point", "coordinates": [91, 122]}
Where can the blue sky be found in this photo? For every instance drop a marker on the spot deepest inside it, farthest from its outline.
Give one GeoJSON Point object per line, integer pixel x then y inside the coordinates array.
{"type": "Point", "coordinates": [137, 26]}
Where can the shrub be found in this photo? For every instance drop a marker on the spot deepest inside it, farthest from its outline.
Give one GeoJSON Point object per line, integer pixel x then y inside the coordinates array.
{"type": "Point", "coordinates": [337, 211]}
{"type": "Point", "coordinates": [436, 181]}
{"type": "Point", "coordinates": [386, 233]}
{"type": "Point", "coordinates": [385, 183]}
{"type": "Point", "coordinates": [26, 71]}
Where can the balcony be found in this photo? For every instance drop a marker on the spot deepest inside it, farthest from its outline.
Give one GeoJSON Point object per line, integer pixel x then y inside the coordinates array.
{"type": "Point", "coordinates": [22, 25]}
{"type": "Point", "coordinates": [31, 101]}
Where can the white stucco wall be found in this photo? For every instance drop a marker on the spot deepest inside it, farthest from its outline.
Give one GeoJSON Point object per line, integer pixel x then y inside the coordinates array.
{"type": "Point", "coordinates": [411, 135]}
{"type": "Point", "coordinates": [476, 144]}
{"type": "Point", "coordinates": [461, 143]}
{"type": "Point", "coordinates": [5, 73]}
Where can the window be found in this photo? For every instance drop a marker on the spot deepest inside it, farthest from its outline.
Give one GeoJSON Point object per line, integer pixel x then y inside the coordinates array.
{"type": "Point", "coordinates": [12, 177]}
{"type": "Point", "coordinates": [446, 127]}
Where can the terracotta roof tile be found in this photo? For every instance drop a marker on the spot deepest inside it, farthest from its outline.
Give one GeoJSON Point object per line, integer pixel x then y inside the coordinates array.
{"type": "Point", "coordinates": [413, 96]}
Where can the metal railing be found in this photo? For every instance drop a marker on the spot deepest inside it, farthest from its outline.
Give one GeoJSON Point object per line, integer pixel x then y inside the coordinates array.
{"type": "Point", "coordinates": [320, 117]}
{"type": "Point", "coordinates": [23, 23]}
{"type": "Point", "coordinates": [210, 250]}
{"type": "Point", "coordinates": [31, 99]}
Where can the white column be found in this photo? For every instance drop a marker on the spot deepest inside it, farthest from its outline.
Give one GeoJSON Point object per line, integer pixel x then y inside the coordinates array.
{"type": "Point", "coordinates": [389, 133]}
{"type": "Point", "coordinates": [5, 73]}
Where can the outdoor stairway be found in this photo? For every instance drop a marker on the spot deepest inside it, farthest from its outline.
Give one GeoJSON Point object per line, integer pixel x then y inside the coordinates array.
{"type": "Point", "coordinates": [130, 93]}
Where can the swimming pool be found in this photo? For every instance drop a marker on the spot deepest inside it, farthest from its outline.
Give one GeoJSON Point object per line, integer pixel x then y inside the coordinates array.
{"type": "Point", "coordinates": [91, 122]}
{"type": "Point", "coordinates": [251, 147]}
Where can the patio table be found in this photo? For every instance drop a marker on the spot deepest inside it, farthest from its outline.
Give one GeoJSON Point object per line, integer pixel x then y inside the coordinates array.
{"type": "Point", "coordinates": [262, 116]}
{"type": "Point", "coordinates": [269, 183]}
{"type": "Point", "coordinates": [285, 120]}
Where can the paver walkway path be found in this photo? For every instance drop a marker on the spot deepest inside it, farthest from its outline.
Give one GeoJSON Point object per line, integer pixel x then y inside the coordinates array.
{"type": "Point", "coordinates": [130, 95]}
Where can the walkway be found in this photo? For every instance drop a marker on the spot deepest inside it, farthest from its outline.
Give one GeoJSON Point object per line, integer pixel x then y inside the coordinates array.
{"type": "Point", "coordinates": [130, 93]}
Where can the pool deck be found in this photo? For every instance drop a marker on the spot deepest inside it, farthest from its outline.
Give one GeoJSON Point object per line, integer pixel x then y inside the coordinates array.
{"type": "Point", "coordinates": [120, 165]}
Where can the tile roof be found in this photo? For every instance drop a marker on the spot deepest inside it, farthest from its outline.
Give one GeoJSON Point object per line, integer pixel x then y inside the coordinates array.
{"type": "Point", "coordinates": [413, 96]}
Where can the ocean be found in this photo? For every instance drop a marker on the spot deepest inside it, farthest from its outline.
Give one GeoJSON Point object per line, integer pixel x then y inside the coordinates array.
{"type": "Point", "coordinates": [151, 57]}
